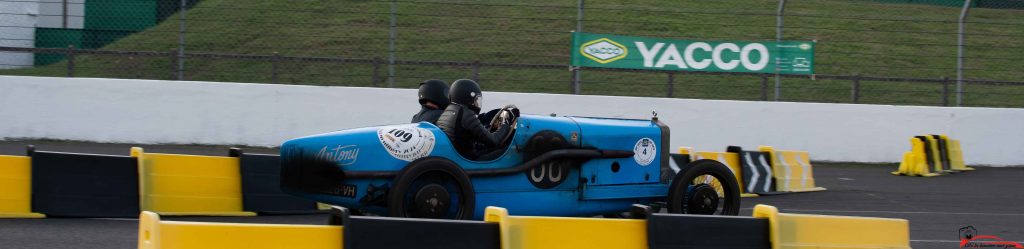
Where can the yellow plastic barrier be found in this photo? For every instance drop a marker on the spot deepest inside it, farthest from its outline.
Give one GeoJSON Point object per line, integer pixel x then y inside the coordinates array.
{"type": "Point", "coordinates": [907, 165]}
{"type": "Point", "coordinates": [825, 231]}
{"type": "Point", "coordinates": [552, 232]}
{"type": "Point", "coordinates": [16, 187]}
{"type": "Point", "coordinates": [685, 150]}
{"type": "Point", "coordinates": [915, 161]}
{"type": "Point", "coordinates": [731, 160]}
{"type": "Point", "coordinates": [157, 234]}
{"type": "Point", "coordinates": [956, 156]}
{"type": "Point", "coordinates": [792, 170]}
{"type": "Point", "coordinates": [172, 184]}
{"type": "Point", "coordinates": [682, 151]}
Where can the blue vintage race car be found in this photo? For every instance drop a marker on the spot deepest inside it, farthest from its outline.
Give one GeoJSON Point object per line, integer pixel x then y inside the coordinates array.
{"type": "Point", "coordinates": [551, 166]}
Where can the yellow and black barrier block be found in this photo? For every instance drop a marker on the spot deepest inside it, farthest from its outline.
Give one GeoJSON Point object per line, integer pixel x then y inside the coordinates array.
{"type": "Point", "coordinates": [826, 231]}
{"type": "Point", "coordinates": [157, 234]}
{"type": "Point", "coordinates": [956, 156]}
{"type": "Point", "coordinates": [766, 229]}
{"type": "Point", "coordinates": [934, 153]}
{"type": "Point", "coordinates": [172, 184]}
{"type": "Point", "coordinates": [84, 185]}
{"type": "Point", "coordinates": [908, 165]}
{"type": "Point", "coordinates": [756, 171]}
{"type": "Point", "coordinates": [792, 170]}
{"type": "Point", "coordinates": [678, 161]}
{"type": "Point", "coordinates": [929, 155]}
{"type": "Point", "coordinates": [521, 232]}
{"type": "Point", "coordinates": [16, 187]}
{"type": "Point", "coordinates": [731, 160]}
{"type": "Point", "coordinates": [706, 231]}
{"type": "Point", "coordinates": [365, 232]}
{"type": "Point", "coordinates": [917, 161]}
{"type": "Point", "coordinates": [943, 148]}
{"type": "Point", "coordinates": [261, 186]}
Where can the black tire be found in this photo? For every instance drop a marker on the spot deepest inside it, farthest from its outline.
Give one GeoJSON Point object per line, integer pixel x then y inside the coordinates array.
{"type": "Point", "coordinates": [436, 179]}
{"type": "Point", "coordinates": [681, 201]}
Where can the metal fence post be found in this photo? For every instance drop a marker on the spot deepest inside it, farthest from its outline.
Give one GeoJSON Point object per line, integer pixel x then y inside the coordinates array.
{"type": "Point", "coordinates": [376, 71]}
{"type": "Point", "coordinates": [572, 78]}
{"type": "Point", "coordinates": [181, 40]}
{"type": "Point", "coordinates": [671, 87]}
{"type": "Point", "coordinates": [173, 56]}
{"type": "Point", "coordinates": [393, 34]}
{"type": "Point", "coordinates": [778, 38]}
{"type": "Point", "coordinates": [945, 91]}
{"type": "Point", "coordinates": [64, 14]}
{"type": "Point", "coordinates": [960, 53]}
{"type": "Point", "coordinates": [855, 90]}
{"type": "Point", "coordinates": [764, 87]}
{"type": "Point", "coordinates": [476, 70]}
{"type": "Point", "coordinates": [71, 60]}
{"type": "Point", "coordinates": [273, 67]}
{"type": "Point", "coordinates": [577, 77]}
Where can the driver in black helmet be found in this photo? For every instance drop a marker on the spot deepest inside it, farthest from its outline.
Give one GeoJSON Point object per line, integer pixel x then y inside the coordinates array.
{"type": "Point", "coordinates": [460, 122]}
{"type": "Point", "coordinates": [433, 100]}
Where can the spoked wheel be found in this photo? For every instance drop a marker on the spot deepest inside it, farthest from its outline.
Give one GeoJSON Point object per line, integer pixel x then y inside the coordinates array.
{"type": "Point", "coordinates": [432, 188]}
{"type": "Point", "coordinates": [704, 187]}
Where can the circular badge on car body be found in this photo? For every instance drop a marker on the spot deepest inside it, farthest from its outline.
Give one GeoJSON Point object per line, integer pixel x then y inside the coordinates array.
{"type": "Point", "coordinates": [644, 151]}
{"type": "Point", "coordinates": [406, 142]}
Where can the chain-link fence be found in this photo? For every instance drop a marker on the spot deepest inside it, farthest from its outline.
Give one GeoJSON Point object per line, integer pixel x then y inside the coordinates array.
{"type": "Point", "coordinates": [907, 52]}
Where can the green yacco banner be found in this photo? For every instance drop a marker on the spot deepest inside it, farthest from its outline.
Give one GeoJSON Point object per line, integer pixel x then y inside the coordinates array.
{"type": "Point", "coordinates": [630, 52]}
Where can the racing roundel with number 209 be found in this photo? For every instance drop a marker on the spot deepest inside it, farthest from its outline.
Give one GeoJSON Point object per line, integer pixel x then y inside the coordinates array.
{"type": "Point", "coordinates": [644, 151]}
{"type": "Point", "coordinates": [406, 142]}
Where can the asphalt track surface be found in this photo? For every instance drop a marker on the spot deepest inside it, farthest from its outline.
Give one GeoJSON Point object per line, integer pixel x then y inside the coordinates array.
{"type": "Point", "coordinates": [990, 199]}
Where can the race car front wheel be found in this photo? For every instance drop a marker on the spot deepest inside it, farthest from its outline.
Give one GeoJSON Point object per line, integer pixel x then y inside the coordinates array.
{"type": "Point", "coordinates": [433, 188]}
{"type": "Point", "coordinates": [704, 187]}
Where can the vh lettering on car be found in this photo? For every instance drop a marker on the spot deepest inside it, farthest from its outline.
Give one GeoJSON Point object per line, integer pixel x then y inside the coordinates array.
{"type": "Point", "coordinates": [406, 142]}
{"type": "Point", "coordinates": [344, 190]}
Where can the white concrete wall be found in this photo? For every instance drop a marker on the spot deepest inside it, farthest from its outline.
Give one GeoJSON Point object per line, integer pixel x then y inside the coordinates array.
{"type": "Point", "coordinates": [17, 29]}
{"type": "Point", "coordinates": [52, 14]}
{"type": "Point", "coordinates": [144, 111]}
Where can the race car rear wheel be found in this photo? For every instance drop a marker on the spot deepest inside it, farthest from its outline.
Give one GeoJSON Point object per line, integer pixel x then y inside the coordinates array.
{"type": "Point", "coordinates": [704, 187]}
{"type": "Point", "coordinates": [433, 188]}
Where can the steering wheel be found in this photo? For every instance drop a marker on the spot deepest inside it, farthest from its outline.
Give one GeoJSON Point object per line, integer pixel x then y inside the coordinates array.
{"type": "Point", "coordinates": [508, 115]}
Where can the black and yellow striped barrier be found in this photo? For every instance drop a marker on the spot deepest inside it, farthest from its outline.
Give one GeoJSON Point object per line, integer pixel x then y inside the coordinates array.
{"type": "Point", "coordinates": [792, 170]}
{"type": "Point", "coordinates": [766, 229]}
{"type": "Point", "coordinates": [932, 155]}
{"type": "Point", "coordinates": [764, 172]}
{"type": "Point", "coordinates": [728, 159]}
{"type": "Point", "coordinates": [61, 184]}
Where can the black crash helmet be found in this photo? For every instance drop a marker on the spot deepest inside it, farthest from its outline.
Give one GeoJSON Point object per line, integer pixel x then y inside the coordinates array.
{"type": "Point", "coordinates": [467, 93]}
{"type": "Point", "coordinates": [434, 91]}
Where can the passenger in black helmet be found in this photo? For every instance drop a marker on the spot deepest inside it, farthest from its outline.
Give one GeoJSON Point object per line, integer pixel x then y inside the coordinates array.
{"type": "Point", "coordinates": [462, 125]}
{"type": "Point", "coordinates": [433, 100]}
